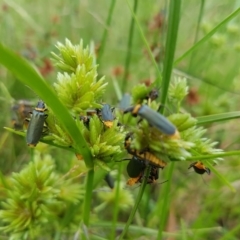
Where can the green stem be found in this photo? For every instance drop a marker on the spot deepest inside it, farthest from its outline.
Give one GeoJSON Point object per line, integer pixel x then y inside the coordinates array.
{"type": "Point", "coordinates": [135, 207]}
{"type": "Point", "coordinates": [197, 31]}
{"type": "Point", "coordinates": [129, 52]}
{"type": "Point", "coordinates": [116, 208]}
{"type": "Point", "coordinates": [173, 22]}
{"type": "Point", "coordinates": [145, 42]}
{"type": "Point", "coordinates": [212, 156]}
{"type": "Point", "coordinates": [31, 154]}
{"type": "Point", "coordinates": [207, 36]}
{"type": "Point", "coordinates": [151, 233]}
{"type": "Point", "coordinates": [105, 33]}
{"type": "Point", "coordinates": [165, 204]}
{"type": "Point", "coordinates": [88, 197]}
{"type": "Point", "coordinates": [218, 117]}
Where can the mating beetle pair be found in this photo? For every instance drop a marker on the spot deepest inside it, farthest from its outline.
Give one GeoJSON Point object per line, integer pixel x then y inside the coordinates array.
{"type": "Point", "coordinates": [144, 155]}
{"type": "Point", "coordinates": [138, 163]}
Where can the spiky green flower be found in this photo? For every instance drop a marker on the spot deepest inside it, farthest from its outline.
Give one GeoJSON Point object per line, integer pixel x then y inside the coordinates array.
{"type": "Point", "coordinates": [79, 90]}
{"type": "Point", "coordinates": [106, 144]}
{"type": "Point", "coordinates": [178, 90]}
{"type": "Point", "coordinates": [71, 56]}
{"type": "Point", "coordinates": [36, 196]}
{"type": "Point", "coordinates": [188, 140]}
{"type": "Point", "coordinates": [77, 86]}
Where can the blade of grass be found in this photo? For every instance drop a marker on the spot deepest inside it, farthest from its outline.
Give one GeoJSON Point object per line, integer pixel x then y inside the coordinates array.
{"type": "Point", "coordinates": [116, 205]}
{"type": "Point", "coordinates": [218, 117]}
{"type": "Point", "coordinates": [135, 207]}
{"type": "Point", "coordinates": [25, 15]}
{"type": "Point", "coordinates": [212, 156]}
{"type": "Point", "coordinates": [153, 232]}
{"type": "Point", "coordinates": [43, 139]}
{"type": "Point", "coordinates": [105, 33]}
{"type": "Point", "coordinates": [183, 229]}
{"type": "Point", "coordinates": [231, 234]}
{"type": "Point", "coordinates": [164, 205]}
{"type": "Point", "coordinates": [207, 36]}
{"type": "Point", "coordinates": [221, 177]}
{"type": "Point", "coordinates": [159, 75]}
{"type": "Point", "coordinates": [88, 197]}
{"type": "Point", "coordinates": [173, 23]}
{"type": "Point", "coordinates": [129, 47]}
{"type": "Point", "coordinates": [200, 15]}
{"type": "Point", "coordinates": [28, 75]}
{"type": "Point", "coordinates": [207, 81]}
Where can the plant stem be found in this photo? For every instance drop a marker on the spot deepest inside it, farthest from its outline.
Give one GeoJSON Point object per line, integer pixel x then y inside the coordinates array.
{"type": "Point", "coordinates": [105, 33]}
{"type": "Point", "coordinates": [207, 36]}
{"type": "Point", "coordinates": [165, 203]}
{"type": "Point", "coordinates": [196, 33]}
{"type": "Point", "coordinates": [145, 42]}
{"type": "Point", "coordinates": [129, 51]}
{"type": "Point", "coordinates": [212, 156]}
{"type": "Point", "coordinates": [88, 197]}
{"type": "Point", "coordinates": [173, 22]}
{"type": "Point", "coordinates": [116, 208]}
{"type": "Point", "coordinates": [135, 207]}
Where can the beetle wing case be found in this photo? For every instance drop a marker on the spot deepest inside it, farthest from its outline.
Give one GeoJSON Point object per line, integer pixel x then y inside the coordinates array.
{"type": "Point", "coordinates": [157, 120]}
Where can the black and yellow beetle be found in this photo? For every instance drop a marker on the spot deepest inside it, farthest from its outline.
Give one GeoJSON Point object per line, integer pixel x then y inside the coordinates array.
{"type": "Point", "coordinates": [143, 155]}
{"type": "Point", "coordinates": [151, 158]}
{"type": "Point", "coordinates": [199, 168]}
{"type": "Point", "coordinates": [135, 170]}
{"type": "Point", "coordinates": [135, 167]}
{"type": "Point", "coordinates": [36, 124]}
{"type": "Point", "coordinates": [154, 118]}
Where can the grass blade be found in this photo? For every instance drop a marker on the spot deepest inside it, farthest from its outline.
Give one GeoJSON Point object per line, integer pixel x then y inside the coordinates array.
{"type": "Point", "coordinates": [105, 33]}
{"type": "Point", "coordinates": [173, 22]}
{"type": "Point", "coordinates": [220, 176]}
{"type": "Point", "coordinates": [206, 37]}
{"type": "Point", "coordinates": [164, 205]}
{"type": "Point", "coordinates": [135, 207]}
{"type": "Point", "coordinates": [146, 43]}
{"type": "Point", "coordinates": [218, 117]}
{"type": "Point", "coordinates": [129, 53]}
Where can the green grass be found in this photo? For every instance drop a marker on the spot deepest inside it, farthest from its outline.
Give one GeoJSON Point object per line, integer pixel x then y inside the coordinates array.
{"type": "Point", "coordinates": [199, 41]}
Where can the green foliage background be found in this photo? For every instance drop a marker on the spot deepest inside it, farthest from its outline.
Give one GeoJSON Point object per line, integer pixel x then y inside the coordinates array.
{"type": "Point", "coordinates": [199, 207]}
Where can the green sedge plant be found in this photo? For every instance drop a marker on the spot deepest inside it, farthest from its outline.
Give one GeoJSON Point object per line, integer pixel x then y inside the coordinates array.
{"type": "Point", "coordinates": [77, 90]}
